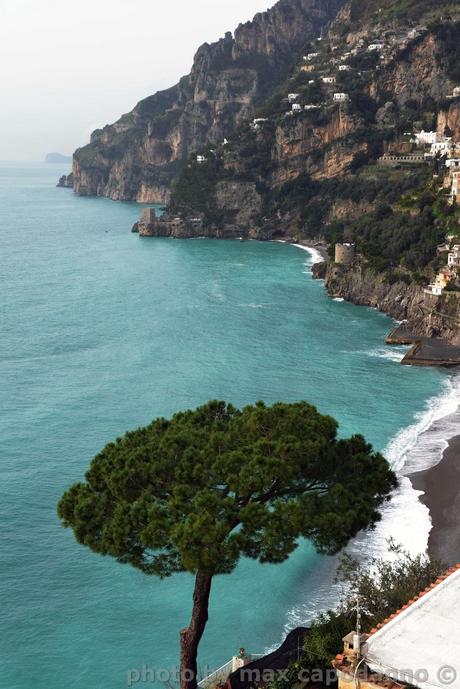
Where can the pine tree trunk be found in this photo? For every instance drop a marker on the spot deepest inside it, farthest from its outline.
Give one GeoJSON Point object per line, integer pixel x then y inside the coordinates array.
{"type": "Point", "coordinates": [190, 637]}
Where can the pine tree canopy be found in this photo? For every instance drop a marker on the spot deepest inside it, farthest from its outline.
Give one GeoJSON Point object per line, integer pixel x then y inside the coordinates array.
{"type": "Point", "coordinates": [198, 491]}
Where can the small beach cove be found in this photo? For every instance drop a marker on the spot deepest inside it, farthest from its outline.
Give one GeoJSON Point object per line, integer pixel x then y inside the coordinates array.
{"type": "Point", "coordinates": [119, 330]}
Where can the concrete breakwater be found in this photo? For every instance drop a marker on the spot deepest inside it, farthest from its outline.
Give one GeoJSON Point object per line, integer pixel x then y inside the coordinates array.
{"type": "Point", "coordinates": [427, 351]}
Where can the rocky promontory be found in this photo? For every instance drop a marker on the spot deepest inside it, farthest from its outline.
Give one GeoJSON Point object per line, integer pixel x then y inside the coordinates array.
{"type": "Point", "coordinates": [139, 156]}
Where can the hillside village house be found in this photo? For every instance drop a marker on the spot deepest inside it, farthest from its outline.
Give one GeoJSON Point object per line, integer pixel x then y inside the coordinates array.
{"type": "Point", "coordinates": [453, 259]}
{"type": "Point", "coordinates": [292, 97]}
{"type": "Point", "coordinates": [344, 68]}
{"type": "Point", "coordinates": [256, 124]}
{"type": "Point", "coordinates": [296, 107]}
{"type": "Point", "coordinates": [328, 80]}
{"type": "Point", "coordinates": [427, 138]}
{"type": "Point", "coordinates": [453, 163]}
{"type": "Point", "coordinates": [376, 46]}
{"type": "Point", "coordinates": [443, 279]}
{"type": "Point", "coordinates": [307, 68]}
{"type": "Point", "coordinates": [341, 97]}
{"type": "Point", "coordinates": [311, 56]}
{"type": "Point", "coordinates": [201, 159]}
{"type": "Point", "coordinates": [442, 147]}
{"type": "Point", "coordinates": [418, 646]}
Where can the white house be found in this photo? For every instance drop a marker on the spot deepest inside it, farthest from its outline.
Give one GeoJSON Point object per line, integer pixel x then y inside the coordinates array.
{"type": "Point", "coordinates": [418, 645]}
{"type": "Point", "coordinates": [453, 163]}
{"type": "Point", "coordinates": [426, 138]}
{"type": "Point", "coordinates": [441, 147]}
{"type": "Point", "coordinates": [341, 97]}
{"type": "Point", "coordinates": [311, 56]}
{"type": "Point", "coordinates": [296, 107]}
{"type": "Point", "coordinates": [292, 97]}
{"type": "Point", "coordinates": [311, 107]}
{"type": "Point", "coordinates": [201, 159]}
{"type": "Point", "coordinates": [453, 258]}
{"type": "Point", "coordinates": [344, 68]}
{"type": "Point", "coordinates": [328, 80]}
{"type": "Point", "coordinates": [256, 124]}
{"type": "Point", "coordinates": [375, 46]}
{"type": "Point", "coordinates": [456, 92]}
{"type": "Point", "coordinates": [435, 290]}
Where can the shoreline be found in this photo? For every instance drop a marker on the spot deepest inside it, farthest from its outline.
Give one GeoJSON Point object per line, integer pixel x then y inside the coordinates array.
{"type": "Point", "coordinates": [317, 250]}
{"type": "Point", "coordinates": [440, 486]}
{"type": "Point", "coordinates": [318, 247]}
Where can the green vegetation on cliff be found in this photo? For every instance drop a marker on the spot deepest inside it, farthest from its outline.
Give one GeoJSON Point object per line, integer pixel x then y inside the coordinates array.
{"type": "Point", "coordinates": [383, 587]}
{"type": "Point", "coordinates": [194, 193]}
{"type": "Point", "coordinates": [399, 10]}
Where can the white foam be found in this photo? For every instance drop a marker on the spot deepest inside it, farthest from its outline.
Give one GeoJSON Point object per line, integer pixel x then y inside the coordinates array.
{"type": "Point", "coordinates": [338, 299]}
{"type": "Point", "coordinates": [395, 354]}
{"type": "Point", "coordinates": [404, 519]}
{"type": "Point", "coordinates": [314, 253]}
{"type": "Point", "coordinates": [254, 306]}
{"type": "Point", "coordinates": [415, 448]}
{"type": "Point", "coordinates": [391, 354]}
{"type": "Point", "coordinates": [420, 446]}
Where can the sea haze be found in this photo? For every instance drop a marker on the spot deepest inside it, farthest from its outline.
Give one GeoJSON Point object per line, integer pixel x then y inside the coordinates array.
{"type": "Point", "coordinates": [103, 331]}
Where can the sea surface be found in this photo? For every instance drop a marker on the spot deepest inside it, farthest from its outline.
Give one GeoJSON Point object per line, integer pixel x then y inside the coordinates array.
{"type": "Point", "coordinates": [103, 331]}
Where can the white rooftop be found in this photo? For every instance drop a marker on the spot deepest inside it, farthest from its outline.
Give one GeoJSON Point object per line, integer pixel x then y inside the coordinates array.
{"type": "Point", "coordinates": [421, 644]}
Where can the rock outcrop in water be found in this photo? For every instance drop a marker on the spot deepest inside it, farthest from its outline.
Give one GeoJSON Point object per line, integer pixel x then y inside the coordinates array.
{"type": "Point", "coordinates": [66, 181]}
{"type": "Point", "coordinates": [138, 157]}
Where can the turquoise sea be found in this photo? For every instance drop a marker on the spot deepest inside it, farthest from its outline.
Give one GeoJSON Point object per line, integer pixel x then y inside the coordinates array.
{"type": "Point", "coordinates": [103, 331]}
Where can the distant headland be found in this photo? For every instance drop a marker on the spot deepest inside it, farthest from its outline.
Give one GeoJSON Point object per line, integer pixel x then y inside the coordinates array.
{"type": "Point", "coordinates": [57, 158]}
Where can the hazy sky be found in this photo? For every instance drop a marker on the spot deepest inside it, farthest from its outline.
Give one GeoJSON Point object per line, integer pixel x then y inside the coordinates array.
{"type": "Point", "coordinates": [67, 68]}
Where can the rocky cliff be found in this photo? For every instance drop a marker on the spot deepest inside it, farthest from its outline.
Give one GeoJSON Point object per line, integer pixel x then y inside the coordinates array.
{"type": "Point", "coordinates": [362, 285]}
{"type": "Point", "coordinates": [138, 157]}
{"type": "Point", "coordinates": [306, 167]}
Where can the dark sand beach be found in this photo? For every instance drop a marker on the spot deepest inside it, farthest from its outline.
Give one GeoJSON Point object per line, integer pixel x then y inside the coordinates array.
{"type": "Point", "coordinates": [441, 487]}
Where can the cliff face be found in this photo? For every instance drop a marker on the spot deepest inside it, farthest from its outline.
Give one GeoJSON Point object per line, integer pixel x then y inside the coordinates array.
{"type": "Point", "coordinates": [295, 143]}
{"type": "Point", "coordinates": [401, 301]}
{"type": "Point", "coordinates": [137, 157]}
{"type": "Point", "coordinates": [450, 119]}
{"type": "Point", "coordinates": [416, 74]}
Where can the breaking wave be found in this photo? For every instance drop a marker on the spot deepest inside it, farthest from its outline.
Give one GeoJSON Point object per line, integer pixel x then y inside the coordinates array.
{"type": "Point", "coordinates": [405, 519]}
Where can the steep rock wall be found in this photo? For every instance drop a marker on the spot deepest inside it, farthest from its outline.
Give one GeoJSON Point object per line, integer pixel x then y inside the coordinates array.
{"type": "Point", "coordinates": [415, 74]}
{"type": "Point", "coordinates": [401, 301]}
{"type": "Point", "coordinates": [137, 157]}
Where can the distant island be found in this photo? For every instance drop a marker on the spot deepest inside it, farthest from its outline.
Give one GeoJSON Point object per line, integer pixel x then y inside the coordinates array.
{"type": "Point", "coordinates": [57, 158]}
